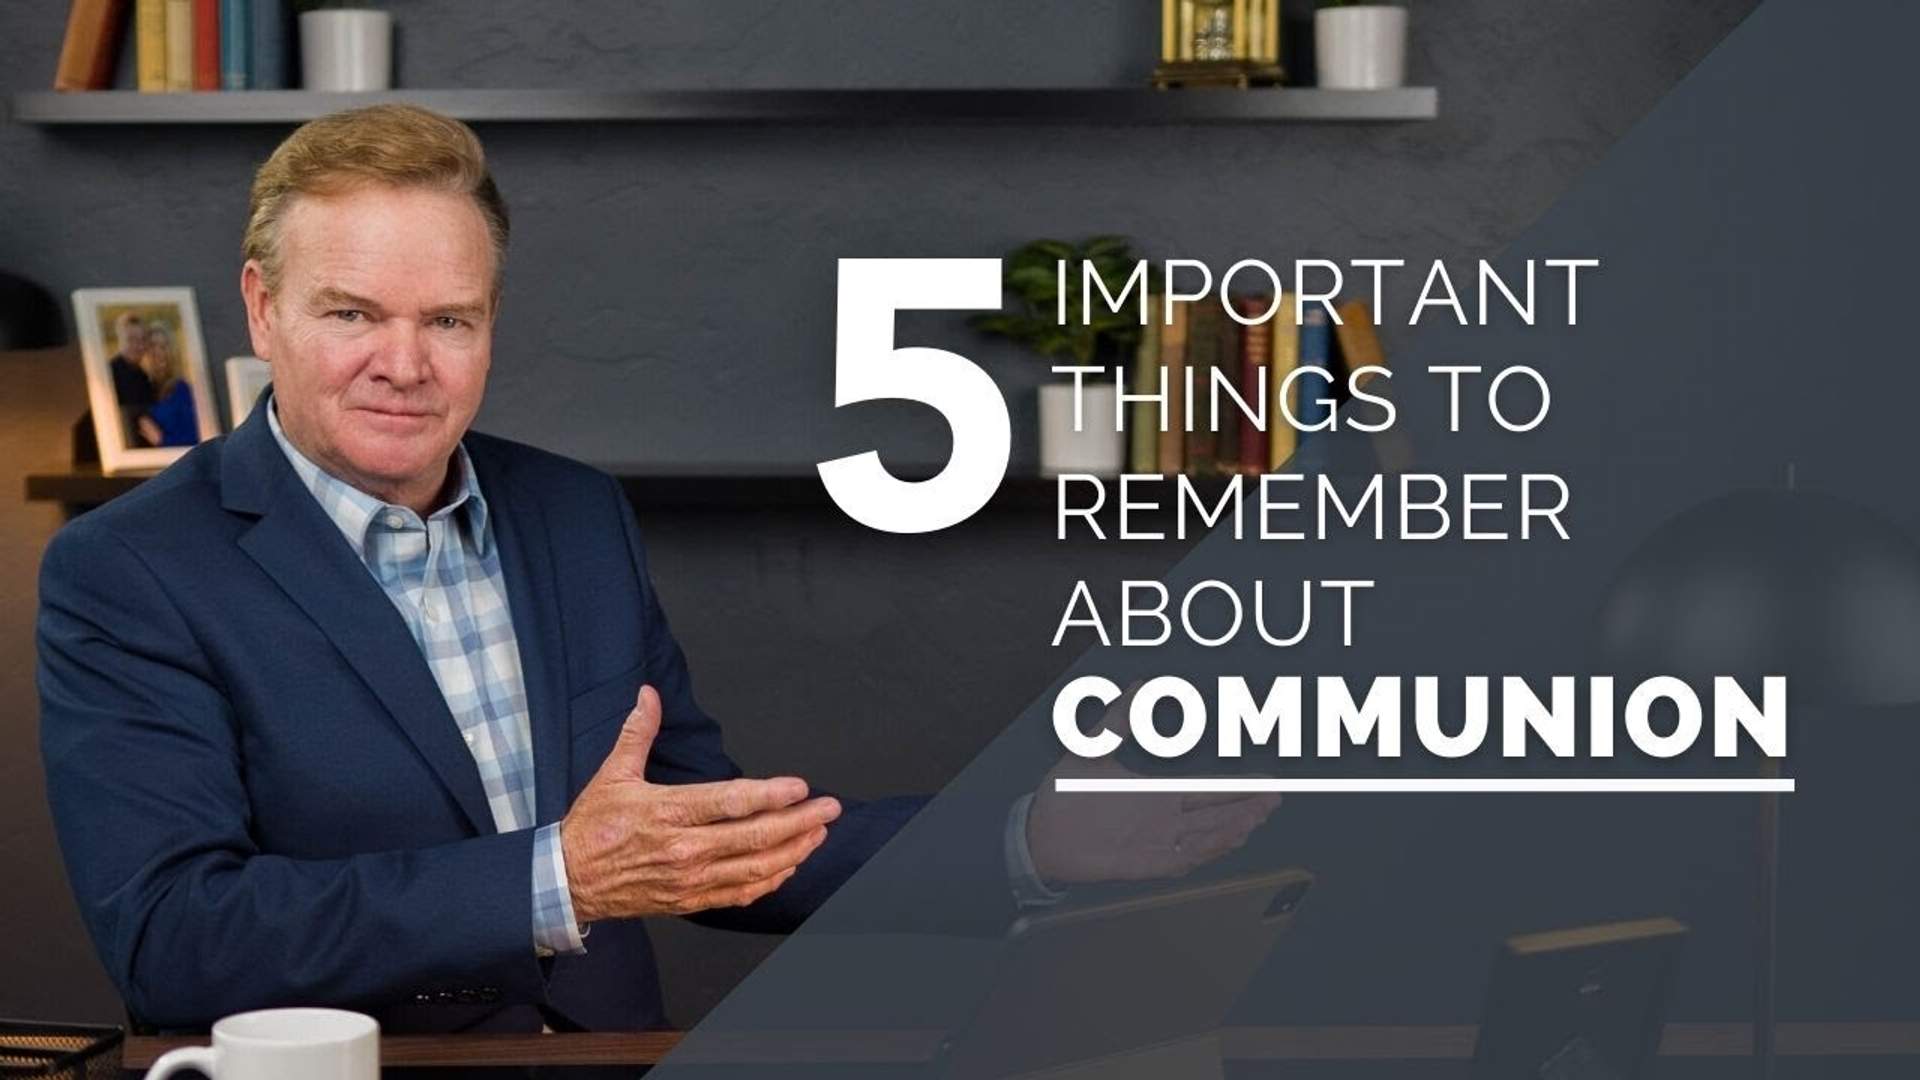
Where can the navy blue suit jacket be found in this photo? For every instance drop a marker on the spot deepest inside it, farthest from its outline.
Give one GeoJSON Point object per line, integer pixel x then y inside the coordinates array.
{"type": "Point", "coordinates": [260, 793]}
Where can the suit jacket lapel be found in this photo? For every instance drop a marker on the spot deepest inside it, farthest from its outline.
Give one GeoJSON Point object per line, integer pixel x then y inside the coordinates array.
{"type": "Point", "coordinates": [302, 550]}
{"type": "Point", "coordinates": [526, 561]}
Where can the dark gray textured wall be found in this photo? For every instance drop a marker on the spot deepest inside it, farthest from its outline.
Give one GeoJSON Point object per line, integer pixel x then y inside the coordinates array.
{"type": "Point", "coordinates": [669, 303]}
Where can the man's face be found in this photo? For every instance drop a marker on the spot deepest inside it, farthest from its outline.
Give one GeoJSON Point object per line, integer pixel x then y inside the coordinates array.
{"type": "Point", "coordinates": [127, 337]}
{"type": "Point", "coordinates": [380, 333]}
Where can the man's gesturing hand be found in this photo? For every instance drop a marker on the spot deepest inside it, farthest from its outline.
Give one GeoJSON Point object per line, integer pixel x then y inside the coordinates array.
{"type": "Point", "coordinates": [633, 848]}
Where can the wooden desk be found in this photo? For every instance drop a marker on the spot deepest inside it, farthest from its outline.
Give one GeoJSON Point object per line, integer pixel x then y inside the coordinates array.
{"type": "Point", "coordinates": [1329, 1043]}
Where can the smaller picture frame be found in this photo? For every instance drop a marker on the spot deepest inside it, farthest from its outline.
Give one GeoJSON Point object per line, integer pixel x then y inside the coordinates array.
{"type": "Point", "coordinates": [1588, 1003]}
{"type": "Point", "coordinates": [147, 381]}
{"type": "Point", "coordinates": [247, 376]}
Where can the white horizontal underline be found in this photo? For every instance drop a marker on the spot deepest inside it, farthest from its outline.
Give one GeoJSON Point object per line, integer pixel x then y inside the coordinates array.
{"type": "Point", "coordinates": [1429, 785]}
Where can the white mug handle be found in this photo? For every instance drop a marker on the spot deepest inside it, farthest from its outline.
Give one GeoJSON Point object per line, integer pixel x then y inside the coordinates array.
{"type": "Point", "coordinates": [200, 1058]}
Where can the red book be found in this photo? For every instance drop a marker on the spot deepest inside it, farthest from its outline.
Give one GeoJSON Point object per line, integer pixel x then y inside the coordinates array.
{"type": "Point", "coordinates": [1256, 345]}
{"type": "Point", "coordinates": [206, 44]}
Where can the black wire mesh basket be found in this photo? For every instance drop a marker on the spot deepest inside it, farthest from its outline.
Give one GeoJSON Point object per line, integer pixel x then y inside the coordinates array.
{"type": "Point", "coordinates": [59, 1051]}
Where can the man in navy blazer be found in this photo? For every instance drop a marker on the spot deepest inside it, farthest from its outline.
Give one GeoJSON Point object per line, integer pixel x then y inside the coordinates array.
{"type": "Point", "coordinates": [269, 787]}
{"type": "Point", "coordinates": [356, 707]}
{"type": "Point", "coordinates": [261, 794]}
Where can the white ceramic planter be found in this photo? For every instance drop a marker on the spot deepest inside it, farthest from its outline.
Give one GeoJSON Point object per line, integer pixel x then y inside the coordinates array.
{"type": "Point", "coordinates": [346, 49]}
{"type": "Point", "coordinates": [1099, 447]}
{"type": "Point", "coordinates": [1360, 47]}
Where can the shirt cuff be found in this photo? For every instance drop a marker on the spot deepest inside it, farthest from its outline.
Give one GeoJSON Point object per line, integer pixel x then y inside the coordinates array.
{"type": "Point", "coordinates": [1028, 889]}
{"type": "Point", "coordinates": [554, 930]}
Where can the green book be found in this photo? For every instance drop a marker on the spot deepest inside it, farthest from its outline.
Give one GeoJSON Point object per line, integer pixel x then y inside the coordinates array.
{"type": "Point", "coordinates": [1226, 432]}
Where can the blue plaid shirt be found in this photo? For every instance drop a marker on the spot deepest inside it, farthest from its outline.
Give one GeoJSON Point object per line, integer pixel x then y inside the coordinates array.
{"type": "Point", "coordinates": [443, 574]}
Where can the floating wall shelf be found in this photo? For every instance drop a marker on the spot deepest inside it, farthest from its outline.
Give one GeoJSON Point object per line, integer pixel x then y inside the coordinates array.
{"type": "Point", "coordinates": [650, 490]}
{"type": "Point", "coordinates": [856, 107]}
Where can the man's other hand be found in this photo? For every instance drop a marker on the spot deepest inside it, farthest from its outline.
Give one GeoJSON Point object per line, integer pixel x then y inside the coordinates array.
{"type": "Point", "coordinates": [635, 848]}
{"type": "Point", "coordinates": [1083, 838]}
{"type": "Point", "coordinates": [1078, 838]}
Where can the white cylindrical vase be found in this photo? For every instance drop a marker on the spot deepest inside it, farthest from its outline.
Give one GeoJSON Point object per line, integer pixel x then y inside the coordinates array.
{"type": "Point", "coordinates": [346, 49]}
{"type": "Point", "coordinates": [1360, 46]}
{"type": "Point", "coordinates": [1099, 447]}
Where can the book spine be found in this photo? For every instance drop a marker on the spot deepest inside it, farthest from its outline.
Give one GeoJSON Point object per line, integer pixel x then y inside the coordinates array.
{"type": "Point", "coordinates": [236, 43]}
{"type": "Point", "coordinates": [1360, 348]}
{"type": "Point", "coordinates": [206, 44]}
{"type": "Point", "coordinates": [150, 45]}
{"type": "Point", "coordinates": [87, 52]}
{"type": "Point", "coordinates": [1285, 334]}
{"type": "Point", "coordinates": [1256, 350]}
{"type": "Point", "coordinates": [1221, 409]}
{"type": "Point", "coordinates": [179, 44]}
{"type": "Point", "coordinates": [268, 21]}
{"type": "Point", "coordinates": [1173, 357]}
{"type": "Point", "coordinates": [1316, 350]}
{"type": "Point", "coordinates": [1203, 356]}
{"type": "Point", "coordinates": [1143, 419]}
{"type": "Point", "coordinates": [1359, 343]}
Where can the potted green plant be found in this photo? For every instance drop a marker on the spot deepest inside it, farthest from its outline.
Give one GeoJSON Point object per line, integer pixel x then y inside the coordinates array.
{"type": "Point", "coordinates": [1033, 281]}
{"type": "Point", "coordinates": [344, 46]}
{"type": "Point", "coordinates": [1359, 46]}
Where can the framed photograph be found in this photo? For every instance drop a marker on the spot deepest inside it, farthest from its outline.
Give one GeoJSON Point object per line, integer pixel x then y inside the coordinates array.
{"type": "Point", "coordinates": [246, 377]}
{"type": "Point", "coordinates": [1583, 1003]}
{"type": "Point", "coordinates": [147, 378]}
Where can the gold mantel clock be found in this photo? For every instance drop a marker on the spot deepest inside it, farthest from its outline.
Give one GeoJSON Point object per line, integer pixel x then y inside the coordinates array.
{"type": "Point", "coordinates": [1219, 43]}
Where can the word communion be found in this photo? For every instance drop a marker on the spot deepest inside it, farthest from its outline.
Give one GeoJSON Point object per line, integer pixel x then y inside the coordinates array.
{"type": "Point", "coordinates": [1663, 716]}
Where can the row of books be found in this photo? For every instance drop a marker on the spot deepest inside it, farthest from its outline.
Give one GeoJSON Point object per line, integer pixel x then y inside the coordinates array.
{"type": "Point", "coordinates": [179, 45]}
{"type": "Point", "coordinates": [1202, 344]}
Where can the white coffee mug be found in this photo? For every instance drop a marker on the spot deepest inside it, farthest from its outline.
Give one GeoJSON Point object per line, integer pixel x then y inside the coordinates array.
{"type": "Point", "coordinates": [283, 1044]}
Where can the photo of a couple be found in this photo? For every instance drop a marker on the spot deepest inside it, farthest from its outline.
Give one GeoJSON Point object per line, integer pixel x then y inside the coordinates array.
{"type": "Point", "coordinates": [146, 374]}
{"type": "Point", "coordinates": [149, 385]}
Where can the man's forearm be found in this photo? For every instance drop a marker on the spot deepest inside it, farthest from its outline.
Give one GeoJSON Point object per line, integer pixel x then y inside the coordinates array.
{"type": "Point", "coordinates": [222, 933]}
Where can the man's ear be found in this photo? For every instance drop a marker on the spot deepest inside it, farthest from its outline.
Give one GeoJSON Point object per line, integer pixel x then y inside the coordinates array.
{"type": "Point", "coordinates": [259, 304]}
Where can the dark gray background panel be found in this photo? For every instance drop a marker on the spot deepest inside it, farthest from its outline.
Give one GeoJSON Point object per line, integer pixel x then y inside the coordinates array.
{"type": "Point", "coordinates": [1714, 367]}
{"type": "Point", "coordinates": [669, 303]}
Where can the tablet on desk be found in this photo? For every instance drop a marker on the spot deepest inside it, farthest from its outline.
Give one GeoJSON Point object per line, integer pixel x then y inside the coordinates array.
{"type": "Point", "coordinates": [1082, 983]}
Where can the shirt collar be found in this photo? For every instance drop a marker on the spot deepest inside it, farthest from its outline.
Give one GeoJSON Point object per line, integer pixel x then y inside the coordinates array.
{"type": "Point", "coordinates": [356, 512]}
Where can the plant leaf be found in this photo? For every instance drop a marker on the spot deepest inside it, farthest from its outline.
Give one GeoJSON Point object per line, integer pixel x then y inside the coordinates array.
{"type": "Point", "coordinates": [1028, 259]}
{"type": "Point", "coordinates": [1054, 249]}
{"type": "Point", "coordinates": [1033, 282]}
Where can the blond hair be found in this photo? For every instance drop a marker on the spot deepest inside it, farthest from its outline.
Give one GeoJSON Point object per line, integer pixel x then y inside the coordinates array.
{"type": "Point", "coordinates": [157, 340]}
{"type": "Point", "coordinates": [393, 145]}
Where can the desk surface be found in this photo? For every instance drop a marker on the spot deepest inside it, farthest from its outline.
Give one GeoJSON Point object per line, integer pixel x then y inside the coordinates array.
{"type": "Point", "coordinates": [1330, 1043]}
